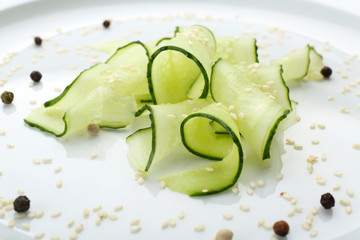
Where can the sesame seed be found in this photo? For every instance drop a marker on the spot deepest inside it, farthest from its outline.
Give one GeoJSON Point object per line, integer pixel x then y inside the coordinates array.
{"type": "Point", "coordinates": [315, 142]}
{"type": "Point", "coordinates": [345, 202]}
{"type": "Point", "coordinates": [2, 213]}
{"type": "Point", "coordinates": [298, 118]}
{"type": "Point", "coordinates": [94, 155]}
{"type": "Point", "coordinates": [268, 226]}
{"type": "Point", "coordinates": [261, 183]}
{"type": "Point", "coordinates": [96, 208]}
{"type": "Point", "coordinates": [291, 213]}
{"type": "Point", "coordinates": [356, 146]}
{"type": "Point", "coordinates": [86, 213]}
{"type": "Point", "coordinates": [2, 133]}
{"type": "Point", "coordinates": [59, 184]}
{"type": "Point", "coordinates": [330, 98]}
{"type": "Point", "coordinates": [32, 102]}
{"type": "Point", "coordinates": [205, 190]}
{"type": "Point", "coordinates": [260, 222]}
{"type": "Point", "coordinates": [9, 208]}
{"type": "Point", "coordinates": [47, 160]}
{"type": "Point", "coordinates": [55, 214]}
{"type": "Point", "coordinates": [293, 201]}
{"type": "Point", "coordinates": [249, 191]}
{"type": "Point", "coordinates": [79, 228]}
{"type": "Point", "coordinates": [199, 228]}
{"type": "Point", "coordinates": [102, 214]}
{"type": "Point", "coordinates": [231, 108]}
{"type": "Point", "coordinates": [36, 161]}
{"type": "Point", "coordinates": [338, 173]}
{"type": "Point", "coordinates": [55, 237]}
{"type": "Point", "coordinates": [298, 147]}
{"type": "Point", "coordinates": [344, 110]}
{"type": "Point", "coordinates": [305, 226]}
{"type": "Point", "coordinates": [279, 176]}
{"type": "Point", "coordinates": [348, 209]}
{"type": "Point", "coordinates": [141, 180]}
{"type": "Point", "coordinates": [57, 169]}
{"type": "Point", "coordinates": [165, 224]}
{"type": "Point", "coordinates": [248, 90]}
{"type": "Point", "coordinates": [227, 216]}
{"type": "Point", "coordinates": [313, 233]}
{"type": "Point", "coordinates": [289, 142]}
{"type": "Point", "coordinates": [313, 126]}
{"type": "Point", "coordinates": [234, 116]}
{"type": "Point", "coordinates": [70, 223]}
{"type": "Point", "coordinates": [181, 215]}
{"type": "Point", "coordinates": [25, 226]}
{"type": "Point", "coordinates": [324, 157]}
{"type": "Point", "coordinates": [321, 126]}
{"type": "Point", "coordinates": [244, 208]}
{"type": "Point", "coordinates": [310, 167]}
{"type": "Point", "coordinates": [10, 146]}
{"type": "Point", "coordinates": [209, 169]}
{"type": "Point", "coordinates": [162, 184]}
{"type": "Point", "coordinates": [39, 235]}
{"type": "Point", "coordinates": [62, 50]}
{"type": "Point", "coordinates": [350, 192]}
{"type": "Point", "coordinates": [171, 116]}
{"type": "Point", "coordinates": [252, 184]}
{"type": "Point", "coordinates": [39, 214]}
{"type": "Point", "coordinates": [135, 229]}
{"type": "Point", "coordinates": [298, 209]}
{"type": "Point", "coordinates": [11, 223]}
{"type": "Point", "coordinates": [118, 207]}
{"type": "Point", "coordinates": [172, 222]}
{"type": "Point", "coordinates": [320, 180]}
{"type": "Point", "coordinates": [73, 236]}
{"type": "Point", "coordinates": [314, 210]}
{"type": "Point", "coordinates": [135, 221]}
{"type": "Point", "coordinates": [336, 187]}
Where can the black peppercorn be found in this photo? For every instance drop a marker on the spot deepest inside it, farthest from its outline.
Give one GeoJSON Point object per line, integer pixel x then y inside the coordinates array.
{"type": "Point", "coordinates": [7, 97]}
{"type": "Point", "coordinates": [327, 200]}
{"type": "Point", "coordinates": [326, 72]}
{"type": "Point", "coordinates": [21, 204]}
{"type": "Point", "coordinates": [281, 228]}
{"type": "Point", "coordinates": [37, 41]}
{"type": "Point", "coordinates": [36, 76]}
{"type": "Point", "coordinates": [106, 24]}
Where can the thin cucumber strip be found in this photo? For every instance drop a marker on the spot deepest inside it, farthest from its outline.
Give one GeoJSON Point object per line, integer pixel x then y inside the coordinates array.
{"type": "Point", "coordinates": [178, 63]}
{"type": "Point", "coordinates": [215, 177]}
{"type": "Point", "coordinates": [236, 50]}
{"type": "Point", "coordinates": [316, 64]}
{"type": "Point", "coordinates": [165, 125]}
{"type": "Point", "coordinates": [295, 64]}
{"type": "Point", "coordinates": [270, 81]}
{"type": "Point", "coordinates": [256, 115]}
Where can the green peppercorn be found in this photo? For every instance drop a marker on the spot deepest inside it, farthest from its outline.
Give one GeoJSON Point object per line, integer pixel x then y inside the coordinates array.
{"type": "Point", "coordinates": [7, 97]}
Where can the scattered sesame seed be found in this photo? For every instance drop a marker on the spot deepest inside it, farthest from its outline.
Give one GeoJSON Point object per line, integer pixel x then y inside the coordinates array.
{"type": "Point", "coordinates": [268, 226]}
{"type": "Point", "coordinates": [315, 142]}
{"type": "Point", "coordinates": [39, 214]}
{"type": "Point", "coordinates": [227, 216]}
{"type": "Point", "coordinates": [260, 222]}
{"type": "Point", "coordinates": [181, 215]}
{"type": "Point", "coordinates": [96, 208]}
{"type": "Point", "coordinates": [79, 228]}
{"type": "Point", "coordinates": [314, 210]}
{"type": "Point", "coordinates": [313, 233]}
{"type": "Point", "coordinates": [289, 142]}
{"type": "Point", "coordinates": [310, 167]}
{"type": "Point", "coordinates": [348, 210]}
{"type": "Point", "coordinates": [2, 213]}
{"type": "Point", "coordinates": [231, 108]}
{"type": "Point", "coordinates": [55, 237]}
{"type": "Point", "coordinates": [298, 118]}
{"type": "Point", "coordinates": [249, 191]}
{"type": "Point", "coordinates": [73, 236]}
{"type": "Point", "coordinates": [338, 173]}
{"type": "Point", "coordinates": [165, 224]}
{"type": "Point", "coordinates": [330, 98]}
{"type": "Point", "coordinates": [244, 208]}
{"type": "Point", "coordinates": [321, 126]}
{"type": "Point", "coordinates": [298, 209]}
{"type": "Point", "coordinates": [141, 180]}
{"type": "Point", "coordinates": [291, 212]}
{"type": "Point", "coordinates": [57, 169]}
{"type": "Point", "coordinates": [86, 213]}
{"type": "Point", "coordinates": [9, 208]}
{"type": "Point", "coordinates": [324, 157]}
{"type": "Point", "coordinates": [2, 133]}
{"type": "Point", "coordinates": [70, 223]}
{"type": "Point", "coordinates": [261, 183]}
{"type": "Point", "coordinates": [356, 146]}
{"type": "Point", "coordinates": [293, 201]}
{"type": "Point", "coordinates": [10, 146]}
{"type": "Point", "coordinates": [234, 116]}
{"type": "Point", "coordinates": [25, 226]}
{"type": "Point", "coordinates": [350, 192]}
{"type": "Point", "coordinates": [345, 202]}
{"type": "Point", "coordinates": [39, 235]}
{"type": "Point", "coordinates": [199, 228]}
{"type": "Point", "coordinates": [344, 110]}
{"type": "Point", "coordinates": [305, 226]}
{"type": "Point", "coordinates": [135, 221]}
{"type": "Point", "coordinates": [172, 222]}
{"type": "Point", "coordinates": [57, 89]}
{"type": "Point", "coordinates": [59, 184]}
{"type": "Point", "coordinates": [94, 155]}
{"type": "Point", "coordinates": [55, 214]}
{"type": "Point", "coordinates": [320, 180]}
{"type": "Point", "coordinates": [47, 160]}
{"type": "Point", "coordinates": [135, 229]}
{"type": "Point", "coordinates": [11, 223]}
{"type": "Point", "coordinates": [20, 192]}
{"type": "Point", "coordinates": [336, 187]}
{"type": "Point", "coordinates": [252, 184]}
{"type": "Point", "coordinates": [118, 207]}
{"type": "Point", "coordinates": [298, 147]}
{"type": "Point", "coordinates": [209, 169]}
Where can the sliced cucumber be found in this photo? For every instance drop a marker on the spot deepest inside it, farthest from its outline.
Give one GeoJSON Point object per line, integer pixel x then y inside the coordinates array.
{"type": "Point", "coordinates": [316, 64]}
{"type": "Point", "coordinates": [165, 124]}
{"type": "Point", "coordinates": [256, 115]}
{"type": "Point", "coordinates": [269, 80]}
{"type": "Point", "coordinates": [295, 64]}
{"type": "Point", "coordinates": [236, 50]}
{"type": "Point", "coordinates": [179, 62]}
{"type": "Point", "coordinates": [215, 177]}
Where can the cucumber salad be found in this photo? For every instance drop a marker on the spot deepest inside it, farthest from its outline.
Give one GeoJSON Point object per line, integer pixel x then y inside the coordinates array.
{"type": "Point", "coordinates": [206, 93]}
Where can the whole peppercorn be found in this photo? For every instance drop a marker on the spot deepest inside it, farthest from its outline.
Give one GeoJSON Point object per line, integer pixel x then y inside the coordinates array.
{"type": "Point", "coordinates": [327, 200]}
{"type": "Point", "coordinates": [21, 204]}
{"type": "Point", "coordinates": [281, 228]}
{"type": "Point", "coordinates": [224, 234]}
{"type": "Point", "coordinates": [326, 72]}
{"type": "Point", "coordinates": [106, 24]}
{"type": "Point", "coordinates": [93, 129]}
{"type": "Point", "coordinates": [37, 41]}
{"type": "Point", "coordinates": [36, 76]}
{"type": "Point", "coordinates": [7, 97]}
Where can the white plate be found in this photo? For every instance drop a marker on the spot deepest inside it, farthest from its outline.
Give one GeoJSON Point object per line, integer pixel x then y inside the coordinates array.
{"type": "Point", "coordinates": [109, 180]}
